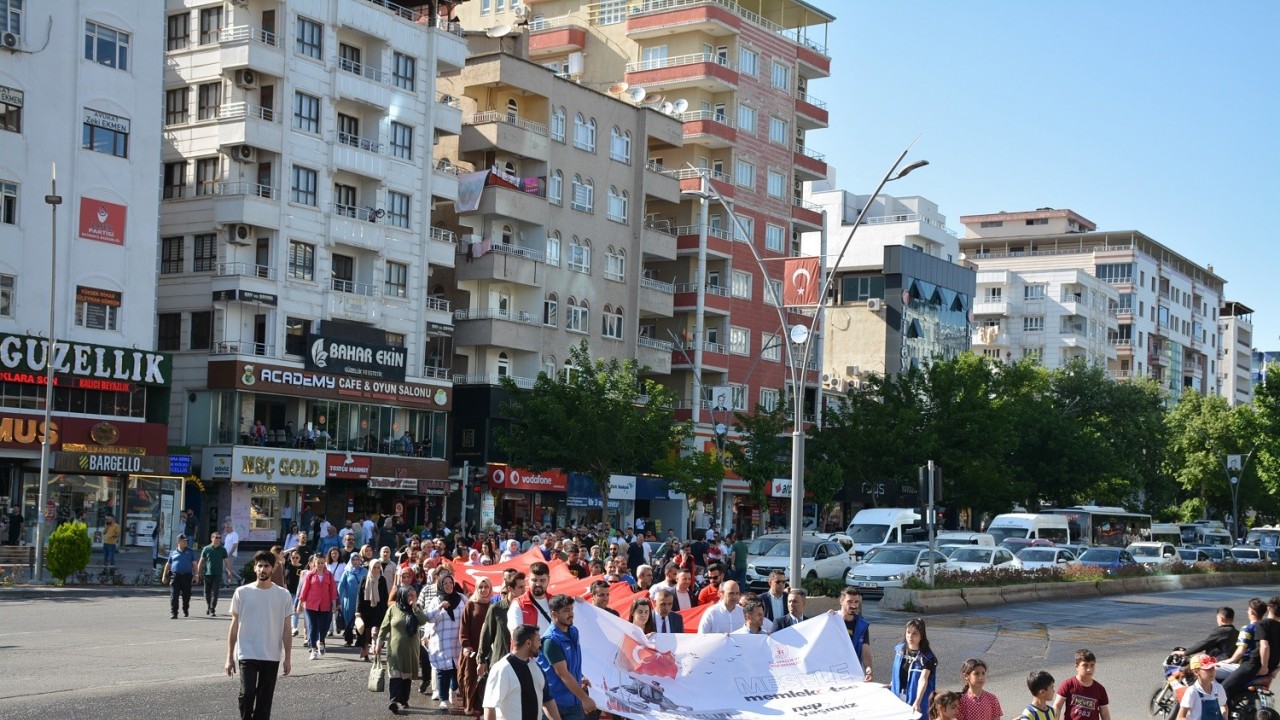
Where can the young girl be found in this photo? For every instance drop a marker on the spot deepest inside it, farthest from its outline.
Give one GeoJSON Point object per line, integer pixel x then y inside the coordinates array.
{"type": "Point", "coordinates": [944, 705]}
{"type": "Point", "coordinates": [913, 677]}
{"type": "Point", "coordinates": [976, 704]}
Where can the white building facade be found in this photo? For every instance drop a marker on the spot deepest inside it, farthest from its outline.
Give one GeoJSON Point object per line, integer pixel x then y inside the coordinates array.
{"type": "Point", "coordinates": [1235, 367]}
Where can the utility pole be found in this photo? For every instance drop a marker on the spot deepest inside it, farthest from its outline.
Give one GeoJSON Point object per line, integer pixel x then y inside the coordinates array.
{"type": "Point", "coordinates": [931, 488]}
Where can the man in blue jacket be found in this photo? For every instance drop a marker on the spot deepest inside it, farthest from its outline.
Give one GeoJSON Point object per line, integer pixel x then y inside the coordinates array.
{"type": "Point", "coordinates": [561, 661]}
{"type": "Point", "coordinates": [178, 569]}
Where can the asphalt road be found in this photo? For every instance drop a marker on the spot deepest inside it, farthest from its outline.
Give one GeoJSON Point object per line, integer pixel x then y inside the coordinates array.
{"type": "Point", "coordinates": [71, 653]}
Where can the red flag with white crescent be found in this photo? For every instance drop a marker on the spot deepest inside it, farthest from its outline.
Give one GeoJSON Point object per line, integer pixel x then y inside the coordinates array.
{"type": "Point", "coordinates": [803, 281]}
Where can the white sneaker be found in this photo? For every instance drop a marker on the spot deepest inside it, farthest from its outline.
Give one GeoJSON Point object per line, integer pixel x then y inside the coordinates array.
{"type": "Point", "coordinates": [444, 706]}
{"type": "Point", "coordinates": [295, 632]}
{"type": "Point", "coordinates": [321, 651]}
{"type": "Point", "coordinates": [315, 655]}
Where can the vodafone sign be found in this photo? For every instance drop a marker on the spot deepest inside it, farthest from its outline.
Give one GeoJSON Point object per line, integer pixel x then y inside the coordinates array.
{"type": "Point", "coordinates": [505, 477]}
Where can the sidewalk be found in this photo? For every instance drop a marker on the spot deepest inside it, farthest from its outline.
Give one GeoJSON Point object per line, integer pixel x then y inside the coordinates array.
{"type": "Point", "coordinates": [132, 565]}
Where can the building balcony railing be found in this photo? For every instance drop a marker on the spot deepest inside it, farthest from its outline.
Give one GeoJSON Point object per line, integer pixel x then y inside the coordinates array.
{"type": "Point", "coordinates": [351, 287]}
{"type": "Point", "coordinates": [443, 235]}
{"type": "Point", "coordinates": [690, 346]}
{"type": "Point", "coordinates": [437, 303]}
{"type": "Point", "coordinates": [516, 316]}
{"type": "Point", "coordinates": [245, 188]}
{"type": "Point", "coordinates": [808, 98]}
{"type": "Point", "coordinates": [355, 141]}
{"type": "Point", "coordinates": [241, 111]}
{"type": "Point", "coordinates": [909, 217]}
{"type": "Point", "coordinates": [241, 269]}
{"type": "Point", "coordinates": [983, 254]}
{"type": "Point", "coordinates": [713, 232]}
{"type": "Point", "coordinates": [365, 71]}
{"type": "Point", "coordinates": [694, 173]}
{"type": "Point", "coordinates": [227, 346]}
{"type": "Point", "coordinates": [1120, 342]}
{"type": "Point", "coordinates": [719, 290]}
{"type": "Point", "coordinates": [519, 251]}
{"type": "Point", "coordinates": [523, 383]}
{"type": "Point", "coordinates": [677, 61]}
{"type": "Point", "coordinates": [659, 6]}
{"type": "Point", "coordinates": [806, 205]}
{"type": "Point", "coordinates": [493, 116]}
{"type": "Point", "coordinates": [810, 153]}
{"type": "Point", "coordinates": [238, 33]}
{"type": "Point", "coordinates": [655, 344]}
{"type": "Point", "coordinates": [369, 215]}
{"type": "Point", "coordinates": [662, 287]}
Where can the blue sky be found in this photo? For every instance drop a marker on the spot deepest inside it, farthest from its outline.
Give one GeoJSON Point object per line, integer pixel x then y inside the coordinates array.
{"type": "Point", "coordinates": [1158, 116]}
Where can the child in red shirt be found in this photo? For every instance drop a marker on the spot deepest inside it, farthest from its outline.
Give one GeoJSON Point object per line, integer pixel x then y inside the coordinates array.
{"type": "Point", "coordinates": [975, 703]}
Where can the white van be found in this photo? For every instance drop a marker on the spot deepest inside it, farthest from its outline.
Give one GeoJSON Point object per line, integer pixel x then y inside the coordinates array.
{"type": "Point", "coordinates": [1031, 526]}
{"type": "Point", "coordinates": [877, 526]}
{"type": "Point", "coordinates": [1166, 532]}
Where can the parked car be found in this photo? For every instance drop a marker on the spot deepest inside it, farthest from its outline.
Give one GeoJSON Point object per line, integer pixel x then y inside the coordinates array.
{"type": "Point", "coordinates": [1036, 558]}
{"type": "Point", "coordinates": [887, 566]}
{"type": "Point", "coordinates": [964, 537]}
{"type": "Point", "coordinates": [1110, 559]}
{"type": "Point", "coordinates": [1153, 553]}
{"type": "Point", "coordinates": [841, 539]}
{"type": "Point", "coordinates": [819, 558]}
{"type": "Point", "coordinates": [1193, 555]}
{"type": "Point", "coordinates": [1216, 553]}
{"type": "Point", "coordinates": [1249, 554]}
{"type": "Point", "coordinates": [976, 557]}
{"type": "Point", "coordinates": [1015, 545]}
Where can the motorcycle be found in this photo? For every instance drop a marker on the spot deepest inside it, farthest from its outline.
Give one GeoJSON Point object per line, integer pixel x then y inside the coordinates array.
{"type": "Point", "coordinates": [1257, 696]}
{"type": "Point", "coordinates": [1164, 700]}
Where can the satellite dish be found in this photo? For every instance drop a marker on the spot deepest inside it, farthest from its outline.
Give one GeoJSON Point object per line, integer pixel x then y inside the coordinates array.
{"type": "Point", "coordinates": [636, 95]}
{"type": "Point", "coordinates": [498, 31]}
{"type": "Point", "coordinates": [721, 429]}
{"type": "Point", "coordinates": [616, 88]}
{"type": "Point", "coordinates": [667, 108]}
{"type": "Point", "coordinates": [681, 105]}
{"type": "Point", "coordinates": [656, 99]}
{"type": "Point", "coordinates": [799, 333]}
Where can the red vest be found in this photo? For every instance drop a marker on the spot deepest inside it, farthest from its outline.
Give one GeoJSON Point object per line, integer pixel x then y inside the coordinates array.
{"type": "Point", "coordinates": [529, 612]}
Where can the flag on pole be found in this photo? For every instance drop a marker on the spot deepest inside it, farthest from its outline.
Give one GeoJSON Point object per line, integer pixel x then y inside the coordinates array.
{"type": "Point", "coordinates": [802, 283]}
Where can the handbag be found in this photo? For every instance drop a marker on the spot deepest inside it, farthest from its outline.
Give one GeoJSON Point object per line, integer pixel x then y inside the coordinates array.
{"type": "Point", "coordinates": [377, 675]}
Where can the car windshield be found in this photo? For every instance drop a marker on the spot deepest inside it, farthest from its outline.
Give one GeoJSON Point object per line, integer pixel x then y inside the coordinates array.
{"type": "Point", "coordinates": [761, 545]}
{"type": "Point", "coordinates": [1036, 555]}
{"type": "Point", "coordinates": [1213, 552]}
{"type": "Point", "coordinates": [1106, 555]}
{"type": "Point", "coordinates": [892, 556]}
{"type": "Point", "coordinates": [783, 549]}
{"type": "Point", "coordinates": [1004, 533]}
{"type": "Point", "coordinates": [868, 534]}
{"type": "Point", "coordinates": [1144, 550]}
{"type": "Point", "coordinates": [978, 555]}
{"type": "Point", "coordinates": [1244, 554]}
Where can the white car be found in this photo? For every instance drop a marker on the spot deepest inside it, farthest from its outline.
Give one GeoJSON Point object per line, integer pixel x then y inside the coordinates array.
{"type": "Point", "coordinates": [1193, 555]}
{"type": "Point", "coordinates": [819, 558]}
{"type": "Point", "coordinates": [1248, 554]}
{"type": "Point", "coordinates": [1036, 558]}
{"type": "Point", "coordinates": [975, 558]}
{"type": "Point", "coordinates": [888, 566]}
{"type": "Point", "coordinates": [1153, 553]}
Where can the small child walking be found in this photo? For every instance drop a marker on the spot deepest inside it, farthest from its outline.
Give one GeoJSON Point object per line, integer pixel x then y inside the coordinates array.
{"type": "Point", "coordinates": [976, 703]}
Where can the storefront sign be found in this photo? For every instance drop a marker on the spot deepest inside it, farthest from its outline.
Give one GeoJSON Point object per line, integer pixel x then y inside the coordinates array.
{"type": "Point", "coordinates": [392, 483]}
{"type": "Point", "coordinates": [505, 477]}
{"type": "Point", "coordinates": [622, 487]}
{"type": "Point", "coordinates": [249, 296]}
{"type": "Point", "coordinates": [110, 463]}
{"type": "Point", "coordinates": [95, 303]}
{"type": "Point", "coordinates": [179, 464]}
{"type": "Point", "coordinates": [336, 466]}
{"type": "Point", "coordinates": [780, 487]}
{"type": "Point", "coordinates": [102, 221]}
{"type": "Point", "coordinates": [17, 431]}
{"type": "Point", "coordinates": [11, 96]}
{"type": "Point", "coordinates": [72, 383]}
{"type": "Point", "coordinates": [216, 464]}
{"type": "Point", "coordinates": [266, 465]}
{"type": "Point", "coordinates": [347, 356]}
{"type": "Point", "coordinates": [259, 377]}
{"type": "Point", "coordinates": [26, 354]}
{"type": "Point", "coordinates": [433, 487]}
{"type": "Point", "coordinates": [106, 121]}
{"type": "Point", "coordinates": [77, 434]}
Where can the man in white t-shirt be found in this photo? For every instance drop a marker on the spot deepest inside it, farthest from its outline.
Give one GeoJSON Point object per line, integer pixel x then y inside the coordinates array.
{"type": "Point", "coordinates": [505, 691]}
{"type": "Point", "coordinates": [726, 615]}
{"type": "Point", "coordinates": [367, 530]}
{"type": "Point", "coordinates": [231, 540]}
{"type": "Point", "coordinates": [259, 637]}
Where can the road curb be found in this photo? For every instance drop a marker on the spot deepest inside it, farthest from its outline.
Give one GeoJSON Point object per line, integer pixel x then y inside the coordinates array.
{"type": "Point", "coordinates": [36, 592]}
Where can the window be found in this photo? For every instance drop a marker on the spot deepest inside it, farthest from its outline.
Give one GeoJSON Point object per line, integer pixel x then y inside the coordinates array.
{"type": "Point", "coordinates": [398, 207]}
{"type": "Point", "coordinates": [97, 309]}
{"type": "Point", "coordinates": [401, 141]}
{"type": "Point", "coordinates": [861, 288]}
{"type": "Point", "coordinates": [615, 265]}
{"type": "Point", "coordinates": [1038, 221]}
{"type": "Point", "coordinates": [210, 25]}
{"type": "Point", "coordinates": [777, 184]}
{"type": "Point", "coordinates": [11, 101]}
{"type": "Point", "coordinates": [175, 180]}
{"type": "Point", "coordinates": [206, 253]}
{"type": "Point", "coordinates": [306, 112]}
{"type": "Point", "coordinates": [744, 173]}
{"type": "Point", "coordinates": [577, 317]}
{"type": "Point", "coordinates": [8, 203]}
{"type": "Point", "coordinates": [1033, 292]}
{"type": "Point", "coordinates": [770, 347]}
{"type": "Point", "coordinates": [206, 175]}
{"type": "Point", "coordinates": [775, 292]}
{"type": "Point", "coordinates": [555, 187]}
{"type": "Point", "coordinates": [178, 31]}
{"type": "Point", "coordinates": [302, 260]}
{"type": "Point", "coordinates": [209, 99]}
{"type": "Point", "coordinates": [781, 76]}
{"type": "Point", "coordinates": [580, 256]}
{"type": "Point", "coordinates": [304, 186]}
{"type": "Point", "coordinates": [739, 341]}
{"type": "Point", "coordinates": [105, 133]}
{"type": "Point", "coordinates": [484, 7]}
{"type": "Point", "coordinates": [778, 131]}
{"type": "Point", "coordinates": [397, 281]}
{"type": "Point", "coordinates": [171, 255]}
{"type": "Point", "coordinates": [617, 205]}
{"type": "Point", "coordinates": [550, 306]}
{"type": "Point", "coordinates": [747, 118]}
{"type": "Point", "coordinates": [740, 284]}
{"type": "Point", "coordinates": [168, 331]}
{"type": "Point", "coordinates": [175, 106]}
{"type": "Point", "coordinates": [106, 46]}
{"type": "Point", "coordinates": [404, 70]}
{"type": "Point", "coordinates": [558, 124]}
{"type": "Point", "coordinates": [310, 38]}
{"type": "Point", "coordinates": [583, 194]}
{"type": "Point", "coordinates": [738, 397]}
{"type": "Point", "coordinates": [1033, 353]}
{"type": "Point", "coordinates": [611, 323]}
{"type": "Point", "coordinates": [584, 133]}
{"type": "Point", "coordinates": [553, 248]}
{"type": "Point", "coordinates": [747, 61]}
{"type": "Point", "coordinates": [620, 145]}
{"type": "Point", "coordinates": [991, 223]}
{"type": "Point", "coordinates": [745, 231]}
{"type": "Point", "coordinates": [773, 238]}
{"type": "Point", "coordinates": [768, 399]}
{"type": "Point", "coordinates": [296, 331]}
{"type": "Point", "coordinates": [7, 283]}
{"type": "Point", "coordinates": [1034, 323]}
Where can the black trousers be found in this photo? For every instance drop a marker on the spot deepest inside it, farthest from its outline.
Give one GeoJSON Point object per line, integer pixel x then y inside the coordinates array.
{"type": "Point", "coordinates": [179, 584]}
{"type": "Point", "coordinates": [1239, 680]}
{"type": "Point", "coordinates": [257, 688]}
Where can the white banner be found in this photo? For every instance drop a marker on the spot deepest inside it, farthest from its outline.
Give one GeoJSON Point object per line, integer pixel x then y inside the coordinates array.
{"type": "Point", "coordinates": [807, 670]}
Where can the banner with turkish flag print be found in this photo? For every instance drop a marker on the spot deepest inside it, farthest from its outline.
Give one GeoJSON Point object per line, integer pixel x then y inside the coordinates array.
{"type": "Point", "coordinates": [802, 283]}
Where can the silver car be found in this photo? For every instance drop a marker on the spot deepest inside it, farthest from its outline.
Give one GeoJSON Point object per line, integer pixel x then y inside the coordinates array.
{"type": "Point", "coordinates": [888, 566]}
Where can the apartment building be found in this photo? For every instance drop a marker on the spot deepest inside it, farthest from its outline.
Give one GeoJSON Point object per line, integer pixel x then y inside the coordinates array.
{"type": "Point", "coordinates": [1235, 356]}
{"type": "Point", "coordinates": [1262, 360]}
{"type": "Point", "coordinates": [299, 271]}
{"type": "Point", "coordinates": [1052, 286]}
{"type": "Point", "coordinates": [738, 76]}
{"type": "Point", "coordinates": [78, 88]}
{"type": "Point", "coordinates": [869, 325]}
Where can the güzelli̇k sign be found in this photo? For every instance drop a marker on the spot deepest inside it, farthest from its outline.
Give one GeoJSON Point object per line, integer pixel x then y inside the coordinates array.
{"type": "Point", "coordinates": [25, 353]}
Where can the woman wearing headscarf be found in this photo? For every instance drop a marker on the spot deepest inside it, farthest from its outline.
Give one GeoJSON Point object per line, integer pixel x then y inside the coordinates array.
{"type": "Point", "coordinates": [443, 645]}
{"type": "Point", "coordinates": [473, 557]}
{"type": "Point", "coordinates": [334, 563]}
{"type": "Point", "coordinates": [513, 549]}
{"type": "Point", "coordinates": [371, 608]}
{"type": "Point", "coordinates": [349, 595]}
{"type": "Point", "coordinates": [399, 632]}
{"type": "Point", "coordinates": [473, 615]}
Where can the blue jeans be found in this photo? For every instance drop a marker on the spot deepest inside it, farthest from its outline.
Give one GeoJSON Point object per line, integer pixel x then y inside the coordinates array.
{"type": "Point", "coordinates": [317, 625]}
{"type": "Point", "coordinates": [445, 680]}
{"type": "Point", "coordinates": [108, 553]}
{"type": "Point", "coordinates": [572, 712]}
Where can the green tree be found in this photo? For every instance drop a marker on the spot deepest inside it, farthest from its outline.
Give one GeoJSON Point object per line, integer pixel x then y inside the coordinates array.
{"type": "Point", "coordinates": [598, 417]}
{"type": "Point", "coordinates": [823, 480]}
{"type": "Point", "coordinates": [1203, 430]}
{"type": "Point", "coordinates": [696, 473]}
{"type": "Point", "coordinates": [1266, 403]}
{"type": "Point", "coordinates": [68, 550]}
{"type": "Point", "coordinates": [763, 451]}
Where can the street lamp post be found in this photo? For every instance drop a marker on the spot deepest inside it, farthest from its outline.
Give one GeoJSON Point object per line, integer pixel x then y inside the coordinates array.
{"type": "Point", "coordinates": [53, 199]}
{"type": "Point", "coordinates": [1235, 466]}
{"type": "Point", "coordinates": [799, 336]}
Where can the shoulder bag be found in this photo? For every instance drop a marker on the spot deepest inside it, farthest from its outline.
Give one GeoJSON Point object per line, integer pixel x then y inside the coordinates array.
{"type": "Point", "coordinates": [378, 674]}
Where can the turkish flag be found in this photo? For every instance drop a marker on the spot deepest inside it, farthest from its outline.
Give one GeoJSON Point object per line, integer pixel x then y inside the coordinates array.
{"type": "Point", "coordinates": [802, 282]}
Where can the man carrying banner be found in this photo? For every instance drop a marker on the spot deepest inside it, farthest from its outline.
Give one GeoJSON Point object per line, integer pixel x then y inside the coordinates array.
{"type": "Point", "coordinates": [561, 661]}
{"type": "Point", "coordinates": [726, 615]}
{"type": "Point", "coordinates": [514, 691]}
{"type": "Point", "coordinates": [532, 608]}
{"type": "Point", "coordinates": [796, 599]}
{"type": "Point", "coordinates": [664, 620]}
{"type": "Point", "coordinates": [858, 628]}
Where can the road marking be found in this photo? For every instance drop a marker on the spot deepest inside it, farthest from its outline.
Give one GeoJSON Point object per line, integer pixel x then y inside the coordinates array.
{"type": "Point", "coordinates": [30, 632]}
{"type": "Point", "coordinates": [156, 642]}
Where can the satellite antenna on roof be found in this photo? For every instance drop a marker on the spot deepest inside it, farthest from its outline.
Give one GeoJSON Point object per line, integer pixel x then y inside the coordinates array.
{"type": "Point", "coordinates": [498, 31]}
{"type": "Point", "coordinates": [655, 100]}
{"type": "Point", "coordinates": [681, 105]}
{"type": "Point", "coordinates": [618, 88]}
{"type": "Point", "coordinates": [636, 94]}
{"type": "Point", "coordinates": [667, 108]}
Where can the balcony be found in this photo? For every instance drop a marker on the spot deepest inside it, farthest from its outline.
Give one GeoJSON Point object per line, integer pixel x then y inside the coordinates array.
{"type": "Point", "coordinates": [377, 17]}
{"type": "Point", "coordinates": [714, 356]}
{"type": "Point", "coordinates": [233, 346]}
{"type": "Point", "coordinates": [246, 282]}
{"type": "Point", "coordinates": [806, 213]}
{"type": "Point", "coordinates": [811, 113]}
{"type": "Point", "coordinates": [991, 306]}
{"type": "Point", "coordinates": [524, 383]}
{"type": "Point", "coordinates": [356, 226]}
{"type": "Point", "coordinates": [654, 354]}
{"type": "Point", "coordinates": [658, 240]}
{"type": "Point", "coordinates": [253, 125]}
{"type": "Point", "coordinates": [491, 327]}
{"type": "Point", "coordinates": [656, 298]}
{"type": "Point", "coordinates": [510, 202]}
{"type": "Point", "coordinates": [446, 114]}
{"type": "Point", "coordinates": [508, 132]}
{"type": "Point", "coordinates": [241, 47]}
{"type": "Point", "coordinates": [716, 299]}
{"type": "Point", "coordinates": [660, 183]}
{"type": "Point", "coordinates": [351, 300]}
{"type": "Point", "coordinates": [708, 129]}
{"type": "Point", "coordinates": [361, 83]}
{"type": "Point", "coordinates": [437, 372]}
{"type": "Point", "coordinates": [719, 241]}
{"type": "Point", "coordinates": [660, 19]}
{"type": "Point", "coordinates": [509, 263]}
{"type": "Point", "coordinates": [362, 156]}
{"type": "Point", "coordinates": [442, 248]}
{"type": "Point", "coordinates": [556, 36]}
{"type": "Point", "coordinates": [707, 71]}
{"type": "Point", "coordinates": [247, 203]}
{"type": "Point", "coordinates": [810, 164]}
{"type": "Point", "coordinates": [691, 180]}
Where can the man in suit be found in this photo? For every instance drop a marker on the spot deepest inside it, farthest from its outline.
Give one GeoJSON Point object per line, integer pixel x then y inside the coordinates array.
{"type": "Point", "coordinates": [664, 619]}
{"type": "Point", "coordinates": [775, 601]}
{"type": "Point", "coordinates": [795, 609]}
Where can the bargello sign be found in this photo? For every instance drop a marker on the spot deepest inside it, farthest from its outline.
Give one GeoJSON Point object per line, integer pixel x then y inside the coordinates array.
{"type": "Point", "coordinates": [24, 353]}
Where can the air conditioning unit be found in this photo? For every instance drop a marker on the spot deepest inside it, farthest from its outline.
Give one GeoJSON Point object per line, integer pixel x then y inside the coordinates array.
{"type": "Point", "coordinates": [239, 234]}
{"type": "Point", "coordinates": [244, 153]}
{"type": "Point", "coordinates": [875, 304]}
{"type": "Point", "coordinates": [247, 79]}
{"type": "Point", "coordinates": [11, 41]}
